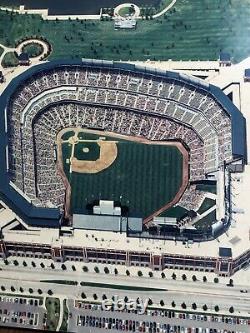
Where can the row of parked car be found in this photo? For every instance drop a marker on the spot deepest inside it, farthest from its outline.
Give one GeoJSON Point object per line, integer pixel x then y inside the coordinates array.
{"type": "Point", "coordinates": [231, 320]}
{"type": "Point", "coordinates": [110, 323]}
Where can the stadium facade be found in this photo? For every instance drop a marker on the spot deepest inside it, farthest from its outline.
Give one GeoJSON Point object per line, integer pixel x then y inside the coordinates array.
{"type": "Point", "coordinates": [198, 114]}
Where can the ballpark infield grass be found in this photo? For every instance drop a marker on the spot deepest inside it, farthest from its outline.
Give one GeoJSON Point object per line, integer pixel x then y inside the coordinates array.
{"type": "Point", "coordinates": [192, 30]}
{"type": "Point", "coordinates": [143, 177]}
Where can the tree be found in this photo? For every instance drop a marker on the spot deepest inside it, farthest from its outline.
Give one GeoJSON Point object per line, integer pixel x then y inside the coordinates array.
{"type": "Point", "coordinates": [163, 275]}
{"type": "Point", "coordinates": [104, 297]}
{"type": "Point", "coordinates": [183, 305]}
{"type": "Point", "coordinates": [231, 309]}
{"type": "Point", "coordinates": [139, 273]}
{"type": "Point", "coordinates": [6, 262]}
{"type": "Point", "coordinates": [106, 270]}
{"type": "Point", "coordinates": [83, 295]}
{"type": "Point", "coordinates": [96, 269]}
{"type": "Point", "coordinates": [85, 269]}
{"type": "Point", "coordinates": [63, 266]}
{"type": "Point", "coordinates": [95, 297]}
{"type": "Point", "coordinates": [42, 265]}
{"type": "Point", "coordinates": [15, 262]}
{"type": "Point", "coordinates": [231, 282]}
{"type": "Point", "coordinates": [216, 280]}
{"type": "Point", "coordinates": [162, 303]}
{"type": "Point", "coordinates": [21, 289]}
{"type": "Point", "coordinates": [151, 274]}
{"type": "Point", "coordinates": [216, 308]}
{"type": "Point", "coordinates": [126, 299]}
{"type": "Point", "coordinates": [33, 263]}
{"type": "Point", "coordinates": [39, 291]}
{"type": "Point", "coordinates": [194, 278]}
{"type": "Point", "coordinates": [150, 302]}
{"type": "Point", "coordinates": [115, 271]}
{"type": "Point", "coordinates": [24, 263]}
{"type": "Point", "coordinates": [184, 277]}
{"type": "Point", "coordinates": [12, 289]}
{"type": "Point", "coordinates": [173, 304]}
{"type": "Point", "coordinates": [52, 265]}
{"type": "Point", "coordinates": [30, 290]}
{"type": "Point", "coordinates": [204, 279]}
{"type": "Point", "coordinates": [194, 306]}
{"type": "Point", "coordinates": [204, 307]}
{"type": "Point", "coordinates": [73, 268]}
{"type": "Point", "coordinates": [3, 288]}
{"type": "Point", "coordinates": [127, 272]}
{"type": "Point", "coordinates": [50, 292]}
{"type": "Point", "coordinates": [174, 276]}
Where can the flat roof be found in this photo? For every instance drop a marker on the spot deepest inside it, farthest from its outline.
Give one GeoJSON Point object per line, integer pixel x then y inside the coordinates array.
{"type": "Point", "coordinates": [107, 223]}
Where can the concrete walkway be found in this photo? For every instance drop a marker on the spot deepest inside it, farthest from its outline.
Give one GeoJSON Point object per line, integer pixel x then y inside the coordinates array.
{"type": "Point", "coordinates": [164, 10]}
{"type": "Point", "coordinates": [60, 314]}
{"type": "Point", "coordinates": [43, 44]}
{"type": "Point", "coordinates": [18, 49]}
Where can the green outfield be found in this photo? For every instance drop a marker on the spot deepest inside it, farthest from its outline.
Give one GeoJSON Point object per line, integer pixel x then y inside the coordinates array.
{"type": "Point", "coordinates": [192, 30]}
{"type": "Point", "coordinates": [143, 177]}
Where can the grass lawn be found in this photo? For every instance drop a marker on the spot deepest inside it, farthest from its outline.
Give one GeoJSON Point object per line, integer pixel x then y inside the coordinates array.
{"type": "Point", "coordinates": [143, 177]}
{"type": "Point", "coordinates": [53, 309]}
{"type": "Point", "coordinates": [192, 30]}
{"type": "Point", "coordinates": [117, 286]}
{"type": "Point", "coordinates": [33, 49]}
{"type": "Point", "coordinates": [212, 188]}
{"type": "Point", "coordinates": [177, 212]}
{"type": "Point", "coordinates": [68, 282]}
{"type": "Point", "coordinates": [206, 204]}
{"type": "Point", "coordinates": [9, 60]}
{"type": "Point", "coordinates": [64, 325]}
{"type": "Point", "coordinates": [124, 11]}
{"type": "Point", "coordinates": [1, 50]}
{"type": "Point", "coordinates": [206, 222]}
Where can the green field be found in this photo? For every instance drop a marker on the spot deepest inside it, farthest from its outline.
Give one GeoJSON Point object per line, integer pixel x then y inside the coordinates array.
{"type": "Point", "coordinates": [145, 177]}
{"type": "Point", "coordinates": [193, 29]}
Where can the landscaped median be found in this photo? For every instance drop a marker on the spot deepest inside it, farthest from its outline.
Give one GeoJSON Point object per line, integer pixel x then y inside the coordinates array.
{"type": "Point", "coordinates": [53, 312]}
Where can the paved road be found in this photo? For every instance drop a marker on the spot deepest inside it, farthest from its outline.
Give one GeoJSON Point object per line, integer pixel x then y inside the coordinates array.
{"type": "Point", "coordinates": [73, 327]}
{"type": "Point", "coordinates": [199, 292]}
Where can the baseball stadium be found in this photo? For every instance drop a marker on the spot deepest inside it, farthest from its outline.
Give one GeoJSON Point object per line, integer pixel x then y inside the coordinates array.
{"type": "Point", "coordinates": [106, 131]}
{"type": "Point", "coordinates": [90, 144]}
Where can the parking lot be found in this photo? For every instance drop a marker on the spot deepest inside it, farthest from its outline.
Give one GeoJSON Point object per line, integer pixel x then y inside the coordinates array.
{"type": "Point", "coordinates": [90, 318]}
{"type": "Point", "coordinates": [23, 312]}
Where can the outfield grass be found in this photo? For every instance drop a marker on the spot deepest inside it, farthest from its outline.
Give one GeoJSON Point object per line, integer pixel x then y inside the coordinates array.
{"type": "Point", "coordinates": [143, 177]}
{"type": "Point", "coordinates": [192, 30]}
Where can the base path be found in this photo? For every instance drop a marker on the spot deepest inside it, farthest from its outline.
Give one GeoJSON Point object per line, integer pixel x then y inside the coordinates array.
{"type": "Point", "coordinates": [108, 154]}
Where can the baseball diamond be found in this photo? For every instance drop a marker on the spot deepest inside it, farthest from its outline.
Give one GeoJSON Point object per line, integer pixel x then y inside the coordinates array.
{"type": "Point", "coordinates": [141, 174]}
